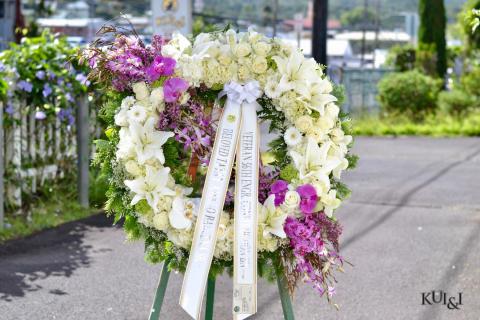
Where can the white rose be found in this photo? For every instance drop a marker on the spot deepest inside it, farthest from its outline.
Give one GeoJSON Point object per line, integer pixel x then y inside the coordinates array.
{"type": "Point", "coordinates": [262, 48]}
{"type": "Point", "coordinates": [141, 90]}
{"type": "Point", "coordinates": [292, 200]}
{"type": "Point", "coordinates": [304, 123]}
{"type": "Point", "coordinates": [332, 110]}
{"type": "Point", "coordinates": [259, 65]}
{"type": "Point", "coordinates": [242, 50]}
{"type": "Point", "coordinates": [133, 168]}
{"type": "Point", "coordinates": [156, 99]}
{"type": "Point", "coordinates": [160, 221]}
{"type": "Point", "coordinates": [325, 124]}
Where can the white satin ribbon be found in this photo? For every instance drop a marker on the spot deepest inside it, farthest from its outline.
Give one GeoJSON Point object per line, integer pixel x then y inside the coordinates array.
{"type": "Point", "coordinates": [238, 119]}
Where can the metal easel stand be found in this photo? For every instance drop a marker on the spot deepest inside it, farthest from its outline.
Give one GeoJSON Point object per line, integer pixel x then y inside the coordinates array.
{"type": "Point", "coordinates": [162, 287]}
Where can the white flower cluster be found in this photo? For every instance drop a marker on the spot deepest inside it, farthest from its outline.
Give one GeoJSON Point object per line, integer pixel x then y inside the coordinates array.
{"type": "Point", "coordinates": [141, 155]}
{"type": "Point", "coordinates": [297, 87]}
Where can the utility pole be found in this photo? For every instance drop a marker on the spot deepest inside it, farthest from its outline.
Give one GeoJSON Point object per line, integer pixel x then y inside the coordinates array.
{"type": "Point", "coordinates": [364, 32]}
{"type": "Point", "coordinates": [319, 36]}
{"type": "Point", "coordinates": [275, 17]}
{"type": "Point", "coordinates": [377, 30]}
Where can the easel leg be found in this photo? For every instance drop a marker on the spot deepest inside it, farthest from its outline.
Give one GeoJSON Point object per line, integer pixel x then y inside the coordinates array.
{"type": "Point", "coordinates": [160, 294]}
{"type": "Point", "coordinates": [210, 299]}
{"type": "Point", "coordinates": [284, 296]}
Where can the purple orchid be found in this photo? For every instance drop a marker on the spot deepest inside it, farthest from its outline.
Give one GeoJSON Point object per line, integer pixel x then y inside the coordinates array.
{"type": "Point", "coordinates": [174, 88]}
{"type": "Point", "coordinates": [279, 188]}
{"type": "Point", "coordinates": [161, 66]}
{"type": "Point", "coordinates": [309, 198]}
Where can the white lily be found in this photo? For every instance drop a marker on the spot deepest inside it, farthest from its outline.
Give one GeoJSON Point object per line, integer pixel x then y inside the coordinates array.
{"type": "Point", "coordinates": [272, 218]}
{"type": "Point", "coordinates": [176, 47]}
{"type": "Point", "coordinates": [150, 187]}
{"type": "Point", "coordinates": [318, 95]}
{"type": "Point", "coordinates": [297, 69]}
{"type": "Point", "coordinates": [330, 202]}
{"type": "Point", "coordinates": [148, 141]}
{"type": "Point", "coordinates": [315, 160]}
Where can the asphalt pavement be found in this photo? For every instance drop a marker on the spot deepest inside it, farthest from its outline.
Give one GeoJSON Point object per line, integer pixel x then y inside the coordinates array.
{"type": "Point", "coordinates": [411, 226]}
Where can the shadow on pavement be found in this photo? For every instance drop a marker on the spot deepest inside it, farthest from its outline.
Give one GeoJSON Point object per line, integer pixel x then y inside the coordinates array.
{"type": "Point", "coordinates": [56, 252]}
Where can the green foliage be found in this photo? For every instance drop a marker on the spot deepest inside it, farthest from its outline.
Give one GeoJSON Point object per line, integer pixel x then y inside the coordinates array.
{"type": "Point", "coordinates": [289, 173]}
{"type": "Point", "coordinates": [357, 17]}
{"type": "Point", "coordinates": [401, 57]}
{"type": "Point", "coordinates": [98, 185]}
{"type": "Point", "coordinates": [426, 59]}
{"type": "Point", "coordinates": [52, 206]}
{"type": "Point", "coordinates": [468, 20]}
{"type": "Point", "coordinates": [51, 56]}
{"type": "Point", "coordinates": [432, 30]}
{"type": "Point", "coordinates": [456, 102]}
{"type": "Point", "coordinates": [278, 147]}
{"type": "Point", "coordinates": [339, 93]}
{"type": "Point", "coordinates": [440, 125]}
{"type": "Point", "coordinates": [270, 113]}
{"type": "Point", "coordinates": [410, 93]}
{"type": "Point", "coordinates": [200, 26]}
{"type": "Point", "coordinates": [470, 81]}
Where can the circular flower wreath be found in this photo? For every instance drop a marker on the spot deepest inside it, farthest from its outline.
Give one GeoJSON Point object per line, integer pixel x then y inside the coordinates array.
{"type": "Point", "coordinates": [162, 119]}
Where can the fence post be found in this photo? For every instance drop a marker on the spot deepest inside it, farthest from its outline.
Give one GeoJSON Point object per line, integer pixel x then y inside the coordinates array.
{"type": "Point", "coordinates": [16, 188]}
{"type": "Point", "coordinates": [83, 154]}
{"type": "Point", "coordinates": [2, 170]}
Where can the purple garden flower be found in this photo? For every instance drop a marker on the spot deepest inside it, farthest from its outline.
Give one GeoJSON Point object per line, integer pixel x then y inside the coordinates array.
{"type": "Point", "coordinates": [82, 79]}
{"type": "Point", "coordinates": [173, 89]}
{"type": "Point", "coordinates": [40, 74]}
{"type": "Point", "coordinates": [161, 66]}
{"type": "Point", "coordinates": [309, 198]}
{"type": "Point", "coordinates": [47, 90]}
{"type": "Point", "coordinates": [40, 115]}
{"type": "Point", "coordinates": [9, 109]}
{"type": "Point", "coordinates": [66, 115]}
{"type": "Point", "coordinates": [279, 188]}
{"type": "Point", "coordinates": [25, 85]}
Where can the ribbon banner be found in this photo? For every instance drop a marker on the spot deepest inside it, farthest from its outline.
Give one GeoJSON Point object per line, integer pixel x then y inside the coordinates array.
{"type": "Point", "coordinates": [237, 133]}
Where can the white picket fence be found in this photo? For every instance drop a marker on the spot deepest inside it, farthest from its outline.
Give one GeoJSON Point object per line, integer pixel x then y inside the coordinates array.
{"type": "Point", "coordinates": [34, 151]}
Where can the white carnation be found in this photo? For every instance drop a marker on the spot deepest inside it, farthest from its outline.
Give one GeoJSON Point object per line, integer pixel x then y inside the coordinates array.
{"type": "Point", "coordinates": [137, 113]}
{"type": "Point", "coordinates": [292, 136]}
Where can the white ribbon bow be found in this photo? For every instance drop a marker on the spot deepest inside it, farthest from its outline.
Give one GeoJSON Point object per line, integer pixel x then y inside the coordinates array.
{"type": "Point", "coordinates": [237, 92]}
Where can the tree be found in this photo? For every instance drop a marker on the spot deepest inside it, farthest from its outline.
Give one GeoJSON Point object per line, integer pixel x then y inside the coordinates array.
{"type": "Point", "coordinates": [357, 17]}
{"type": "Point", "coordinates": [466, 20]}
{"type": "Point", "coordinates": [431, 33]}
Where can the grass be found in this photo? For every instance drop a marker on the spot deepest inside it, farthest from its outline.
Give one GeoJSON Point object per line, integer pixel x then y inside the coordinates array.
{"type": "Point", "coordinates": [50, 207]}
{"type": "Point", "coordinates": [437, 126]}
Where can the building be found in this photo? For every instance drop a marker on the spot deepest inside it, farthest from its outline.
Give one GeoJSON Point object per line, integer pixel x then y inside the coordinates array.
{"type": "Point", "coordinates": [7, 22]}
